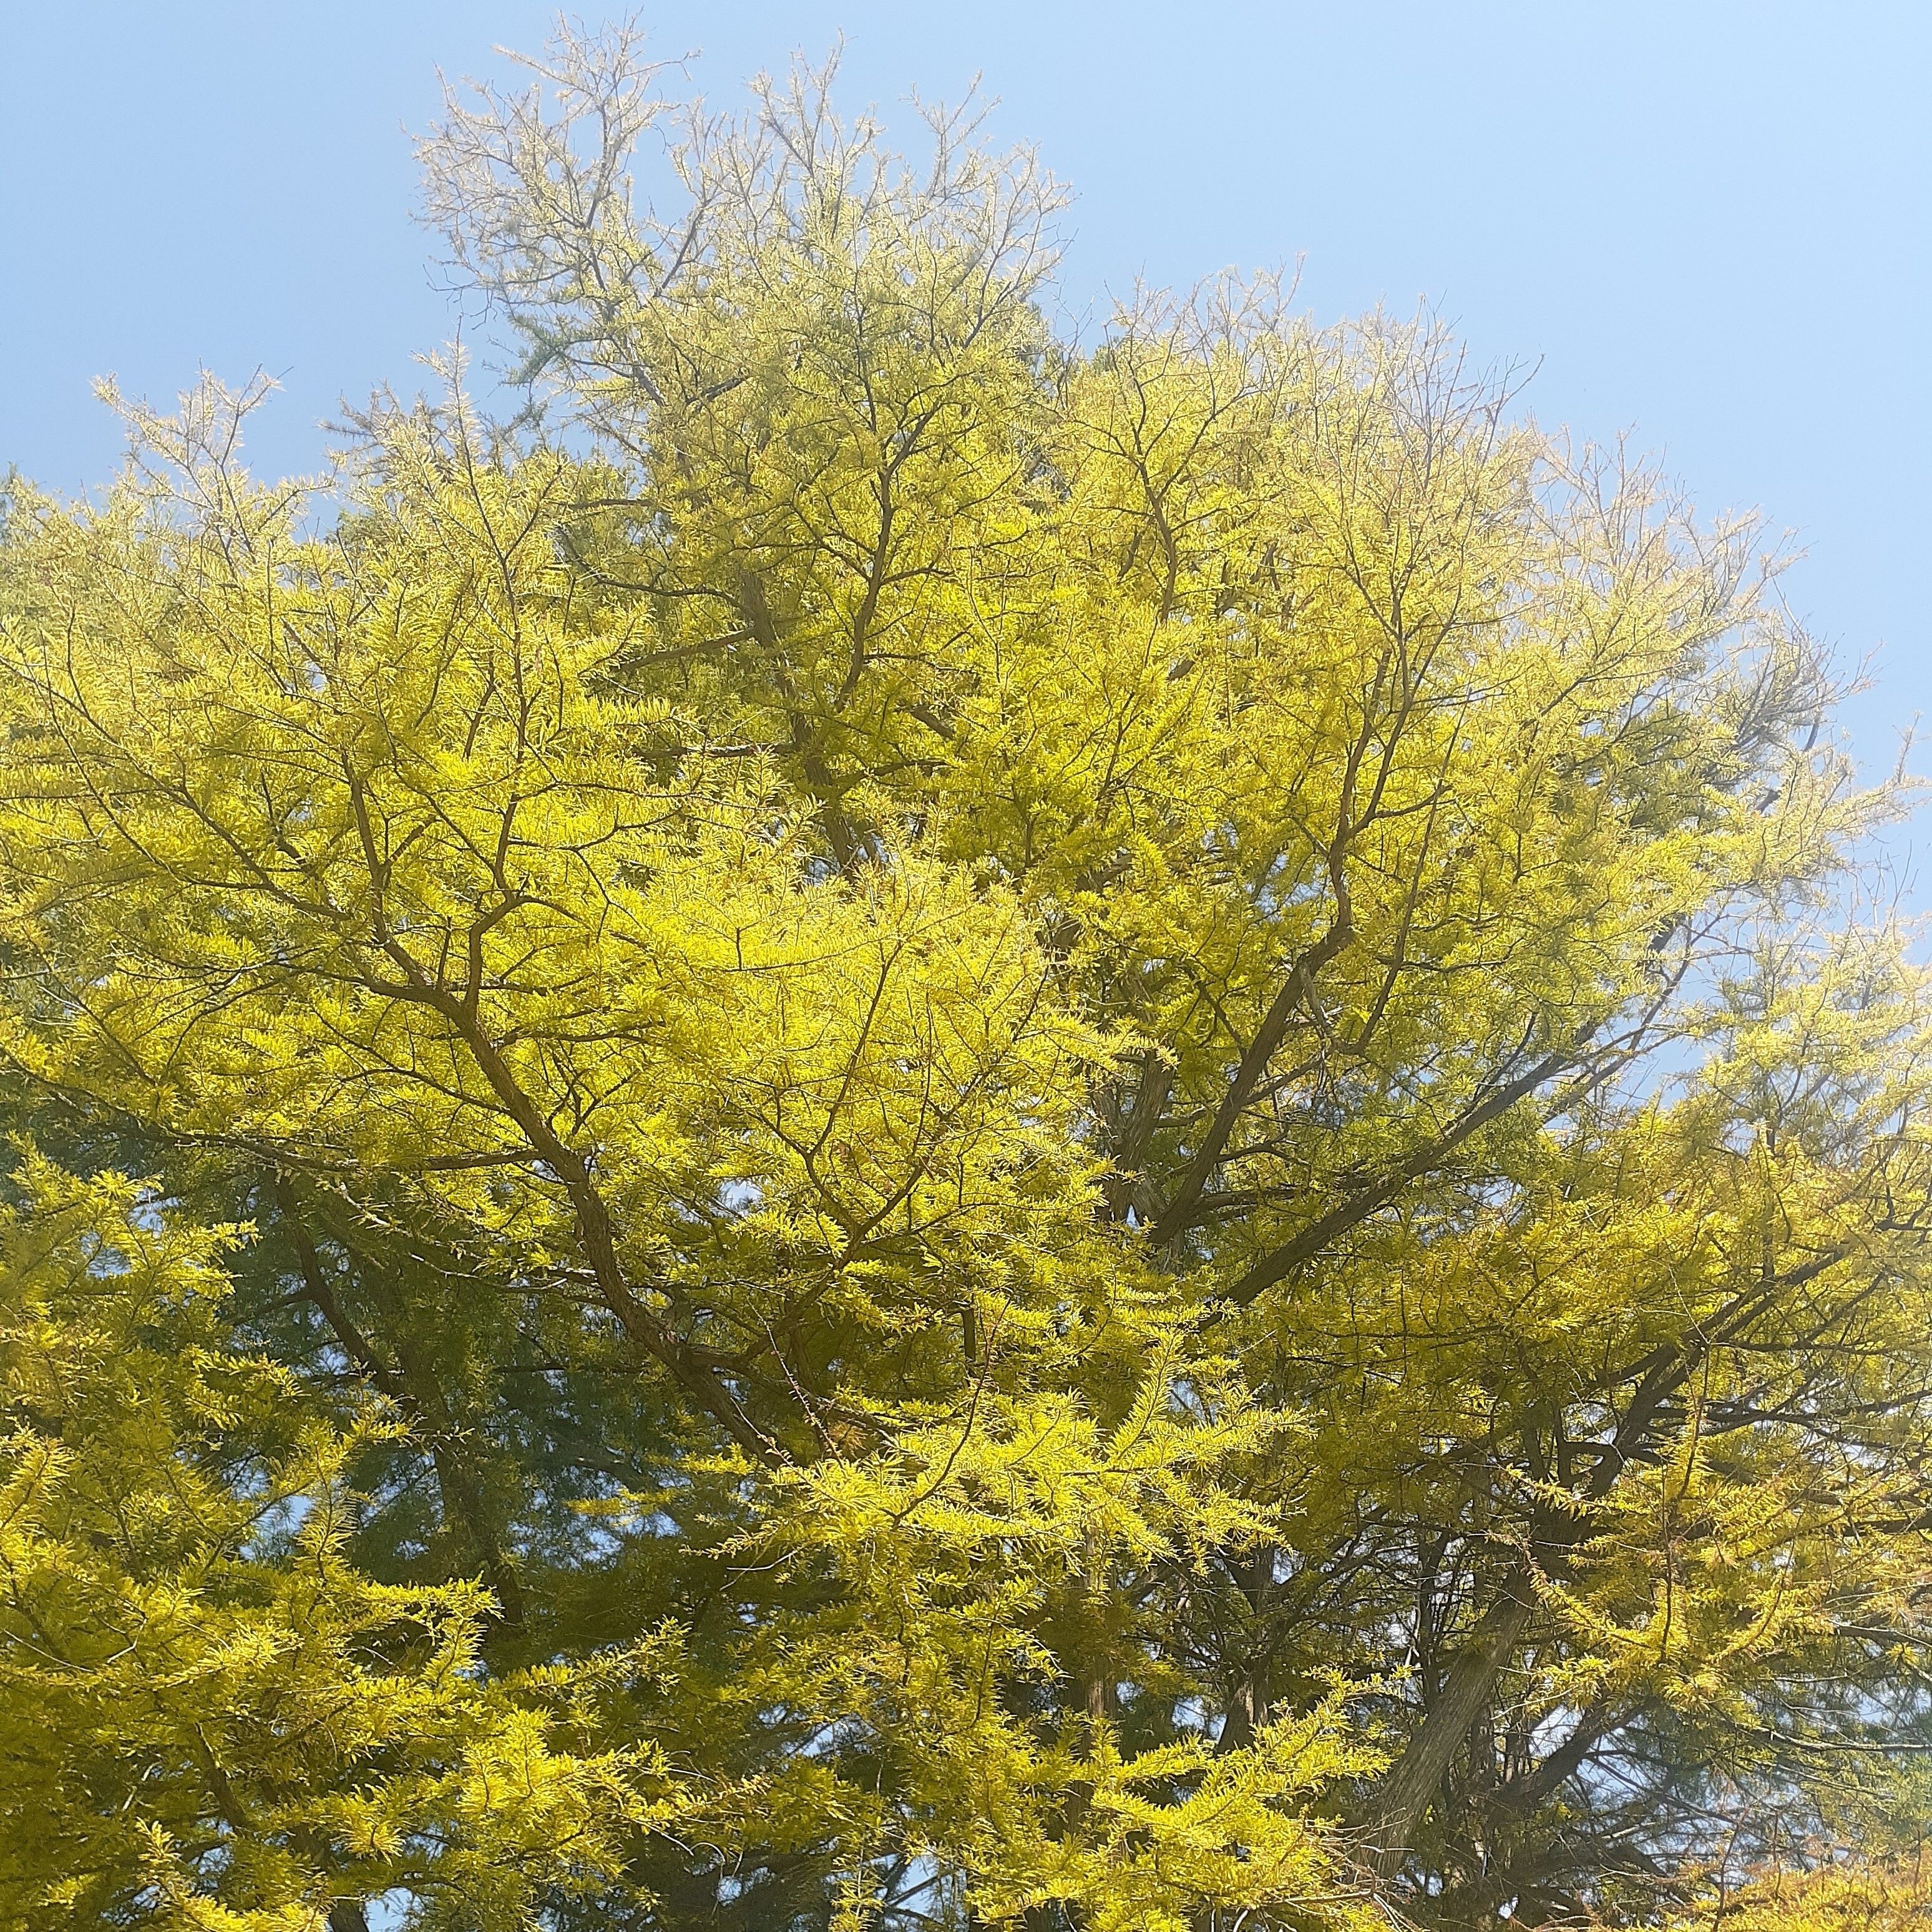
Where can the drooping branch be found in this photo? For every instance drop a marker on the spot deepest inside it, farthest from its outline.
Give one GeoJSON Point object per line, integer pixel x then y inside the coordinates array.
{"type": "Point", "coordinates": [407, 1388]}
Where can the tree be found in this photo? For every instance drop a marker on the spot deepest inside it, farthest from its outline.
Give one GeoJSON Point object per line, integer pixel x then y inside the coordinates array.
{"type": "Point", "coordinates": [995, 1131]}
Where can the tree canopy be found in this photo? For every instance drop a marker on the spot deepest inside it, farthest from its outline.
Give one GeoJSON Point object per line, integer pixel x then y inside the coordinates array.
{"type": "Point", "coordinates": [899, 1121]}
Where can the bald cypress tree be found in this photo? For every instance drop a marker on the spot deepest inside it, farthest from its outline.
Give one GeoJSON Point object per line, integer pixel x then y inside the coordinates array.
{"type": "Point", "coordinates": [899, 1123]}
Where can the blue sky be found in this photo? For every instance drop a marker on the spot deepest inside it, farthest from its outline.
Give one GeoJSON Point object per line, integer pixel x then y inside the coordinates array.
{"type": "Point", "coordinates": [1706, 223]}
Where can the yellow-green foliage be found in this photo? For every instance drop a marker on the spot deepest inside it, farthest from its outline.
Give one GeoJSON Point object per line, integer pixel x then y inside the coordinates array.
{"type": "Point", "coordinates": [934, 1128]}
{"type": "Point", "coordinates": [201, 1696]}
{"type": "Point", "coordinates": [1865, 1896]}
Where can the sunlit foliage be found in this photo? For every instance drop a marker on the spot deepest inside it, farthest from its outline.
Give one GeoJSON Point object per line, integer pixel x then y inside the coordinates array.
{"type": "Point", "coordinates": [905, 1123]}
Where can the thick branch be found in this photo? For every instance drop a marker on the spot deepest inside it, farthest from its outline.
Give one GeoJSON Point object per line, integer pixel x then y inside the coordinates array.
{"type": "Point", "coordinates": [1357, 1207]}
{"type": "Point", "coordinates": [1418, 1773]}
{"type": "Point", "coordinates": [1268, 1036]}
{"type": "Point", "coordinates": [595, 1232]}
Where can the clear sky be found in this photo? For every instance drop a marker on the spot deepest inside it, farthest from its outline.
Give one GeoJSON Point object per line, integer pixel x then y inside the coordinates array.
{"type": "Point", "coordinates": [1706, 221]}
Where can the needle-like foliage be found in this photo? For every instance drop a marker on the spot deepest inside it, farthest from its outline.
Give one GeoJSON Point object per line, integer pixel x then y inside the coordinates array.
{"type": "Point", "coordinates": [930, 1126]}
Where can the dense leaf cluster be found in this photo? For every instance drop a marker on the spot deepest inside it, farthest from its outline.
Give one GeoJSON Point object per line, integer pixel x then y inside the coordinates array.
{"type": "Point", "coordinates": [930, 1127]}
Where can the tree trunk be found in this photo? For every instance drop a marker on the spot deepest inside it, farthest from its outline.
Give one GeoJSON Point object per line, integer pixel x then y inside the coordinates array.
{"type": "Point", "coordinates": [1417, 1775]}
